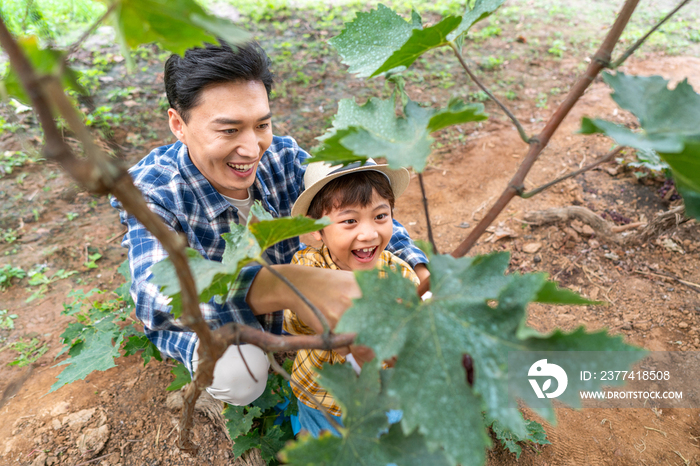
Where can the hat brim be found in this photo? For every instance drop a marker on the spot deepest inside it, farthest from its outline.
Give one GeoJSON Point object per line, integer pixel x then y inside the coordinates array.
{"type": "Point", "coordinates": [398, 179]}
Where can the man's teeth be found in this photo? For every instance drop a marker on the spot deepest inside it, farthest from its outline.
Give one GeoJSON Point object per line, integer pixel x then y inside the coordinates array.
{"type": "Point", "coordinates": [240, 167]}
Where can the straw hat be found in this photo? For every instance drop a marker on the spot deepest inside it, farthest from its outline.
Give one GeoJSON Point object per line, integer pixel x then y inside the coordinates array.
{"type": "Point", "coordinates": [320, 174]}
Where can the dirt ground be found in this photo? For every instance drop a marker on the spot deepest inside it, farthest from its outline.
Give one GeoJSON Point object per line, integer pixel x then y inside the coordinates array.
{"type": "Point", "coordinates": [120, 417]}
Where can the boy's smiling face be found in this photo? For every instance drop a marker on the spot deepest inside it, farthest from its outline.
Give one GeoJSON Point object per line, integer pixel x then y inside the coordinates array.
{"type": "Point", "coordinates": [357, 235]}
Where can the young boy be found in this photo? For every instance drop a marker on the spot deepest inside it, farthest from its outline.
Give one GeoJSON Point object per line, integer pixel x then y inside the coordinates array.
{"type": "Point", "coordinates": [359, 200]}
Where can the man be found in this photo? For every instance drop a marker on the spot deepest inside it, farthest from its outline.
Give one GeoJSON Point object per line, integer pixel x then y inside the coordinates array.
{"type": "Point", "coordinates": [225, 159]}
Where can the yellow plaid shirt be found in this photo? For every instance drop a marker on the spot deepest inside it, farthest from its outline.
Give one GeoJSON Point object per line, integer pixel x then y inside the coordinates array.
{"type": "Point", "coordinates": [306, 360]}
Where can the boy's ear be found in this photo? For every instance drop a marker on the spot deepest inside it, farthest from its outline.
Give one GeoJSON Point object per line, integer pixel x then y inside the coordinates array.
{"type": "Point", "coordinates": [317, 235]}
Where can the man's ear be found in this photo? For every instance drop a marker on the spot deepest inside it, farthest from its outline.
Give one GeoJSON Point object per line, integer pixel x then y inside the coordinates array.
{"type": "Point", "coordinates": [177, 125]}
{"type": "Point", "coordinates": [317, 235]}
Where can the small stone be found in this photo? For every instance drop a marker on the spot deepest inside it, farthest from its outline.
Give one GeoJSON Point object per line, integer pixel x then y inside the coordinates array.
{"type": "Point", "coordinates": [464, 225]}
{"type": "Point", "coordinates": [611, 171]}
{"type": "Point", "coordinates": [683, 325]}
{"type": "Point", "coordinates": [627, 326]}
{"type": "Point", "coordinates": [93, 441]}
{"type": "Point", "coordinates": [612, 256]}
{"type": "Point", "coordinates": [586, 230]}
{"type": "Point", "coordinates": [532, 248]}
{"type": "Point", "coordinates": [40, 460]}
{"type": "Point", "coordinates": [77, 420]}
{"type": "Point", "coordinates": [537, 259]}
{"type": "Point", "coordinates": [51, 460]}
{"type": "Point", "coordinates": [593, 244]}
{"type": "Point", "coordinates": [56, 424]}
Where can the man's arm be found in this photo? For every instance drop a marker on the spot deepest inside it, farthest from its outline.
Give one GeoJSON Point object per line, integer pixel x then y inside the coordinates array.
{"type": "Point", "coordinates": [402, 245]}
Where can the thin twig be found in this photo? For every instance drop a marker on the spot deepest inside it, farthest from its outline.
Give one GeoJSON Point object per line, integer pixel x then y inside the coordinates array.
{"type": "Point", "coordinates": [427, 214]}
{"type": "Point", "coordinates": [94, 460]}
{"type": "Point", "coordinates": [691, 285]}
{"type": "Point", "coordinates": [639, 42]}
{"type": "Point", "coordinates": [539, 142]}
{"type": "Point", "coordinates": [74, 47]}
{"type": "Point", "coordinates": [607, 157]}
{"type": "Point", "coordinates": [319, 315]}
{"type": "Point", "coordinates": [280, 370]}
{"type": "Point", "coordinates": [240, 352]}
{"type": "Point", "coordinates": [521, 130]}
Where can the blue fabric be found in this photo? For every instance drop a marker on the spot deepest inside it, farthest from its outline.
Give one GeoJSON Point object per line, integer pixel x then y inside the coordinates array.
{"type": "Point", "coordinates": [178, 192]}
{"type": "Point", "coordinates": [313, 421]}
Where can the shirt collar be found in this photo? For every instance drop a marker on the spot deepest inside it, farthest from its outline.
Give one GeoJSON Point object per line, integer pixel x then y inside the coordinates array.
{"type": "Point", "coordinates": [211, 200]}
{"type": "Point", "coordinates": [327, 257]}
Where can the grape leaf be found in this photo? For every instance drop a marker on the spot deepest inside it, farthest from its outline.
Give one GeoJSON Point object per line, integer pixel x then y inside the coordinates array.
{"type": "Point", "coordinates": [372, 38]}
{"type": "Point", "coordinates": [137, 343]}
{"type": "Point", "coordinates": [239, 419]}
{"type": "Point", "coordinates": [475, 310]}
{"type": "Point", "coordinates": [182, 377]}
{"type": "Point", "coordinates": [269, 232]}
{"type": "Point", "coordinates": [480, 10]}
{"type": "Point", "coordinates": [269, 444]}
{"type": "Point", "coordinates": [97, 354]}
{"type": "Point", "coordinates": [421, 41]}
{"type": "Point", "coordinates": [509, 440]}
{"type": "Point", "coordinates": [176, 25]}
{"type": "Point", "coordinates": [45, 62]}
{"type": "Point", "coordinates": [364, 416]}
{"type": "Point", "coordinates": [669, 120]}
{"type": "Point", "coordinates": [457, 112]}
{"type": "Point", "coordinates": [374, 130]}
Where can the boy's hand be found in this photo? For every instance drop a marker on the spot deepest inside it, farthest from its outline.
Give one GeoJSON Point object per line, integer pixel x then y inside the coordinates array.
{"type": "Point", "coordinates": [331, 291]}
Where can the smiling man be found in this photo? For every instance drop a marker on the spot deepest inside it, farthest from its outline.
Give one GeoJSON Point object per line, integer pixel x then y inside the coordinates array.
{"type": "Point", "coordinates": [226, 158]}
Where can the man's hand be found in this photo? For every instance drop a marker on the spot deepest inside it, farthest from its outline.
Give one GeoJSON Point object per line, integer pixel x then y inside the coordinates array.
{"type": "Point", "coordinates": [331, 291]}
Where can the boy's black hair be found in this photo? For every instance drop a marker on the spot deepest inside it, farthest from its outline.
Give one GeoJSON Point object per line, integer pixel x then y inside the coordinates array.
{"type": "Point", "coordinates": [351, 189]}
{"type": "Point", "coordinates": [186, 77]}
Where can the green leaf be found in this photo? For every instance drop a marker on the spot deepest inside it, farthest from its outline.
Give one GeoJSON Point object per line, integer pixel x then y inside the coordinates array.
{"type": "Point", "coordinates": [364, 406]}
{"type": "Point", "coordinates": [482, 9]}
{"type": "Point", "coordinates": [550, 293]}
{"type": "Point", "coordinates": [421, 41]}
{"type": "Point", "coordinates": [269, 232]}
{"type": "Point", "coordinates": [372, 38]}
{"type": "Point", "coordinates": [271, 396]}
{"type": "Point", "coordinates": [211, 279]}
{"type": "Point", "coordinates": [123, 290]}
{"type": "Point", "coordinates": [509, 440]}
{"type": "Point", "coordinates": [475, 310]}
{"type": "Point", "coordinates": [182, 377]}
{"type": "Point", "coordinates": [457, 112]}
{"type": "Point", "coordinates": [669, 121]}
{"type": "Point", "coordinates": [374, 130]}
{"type": "Point", "coordinates": [176, 25]}
{"type": "Point", "coordinates": [269, 444]}
{"type": "Point", "coordinates": [239, 419]}
{"type": "Point", "coordinates": [45, 62]}
{"type": "Point", "coordinates": [97, 354]}
{"type": "Point", "coordinates": [137, 343]}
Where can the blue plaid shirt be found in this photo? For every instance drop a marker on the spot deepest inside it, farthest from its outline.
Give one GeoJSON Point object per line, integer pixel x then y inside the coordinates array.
{"type": "Point", "coordinates": [178, 192]}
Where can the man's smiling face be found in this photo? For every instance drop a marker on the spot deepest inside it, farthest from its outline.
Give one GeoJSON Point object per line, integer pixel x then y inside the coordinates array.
{"type": "Point", "coordinates": [227, 133]}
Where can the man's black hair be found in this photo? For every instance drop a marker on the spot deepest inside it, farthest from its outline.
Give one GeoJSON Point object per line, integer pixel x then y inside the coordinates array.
{"type": "Point", "coordinates": [186, 77]}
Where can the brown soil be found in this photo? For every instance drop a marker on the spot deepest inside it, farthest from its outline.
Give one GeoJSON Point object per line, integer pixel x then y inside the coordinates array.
{"type": "Point", "coordinates": [463, 180]}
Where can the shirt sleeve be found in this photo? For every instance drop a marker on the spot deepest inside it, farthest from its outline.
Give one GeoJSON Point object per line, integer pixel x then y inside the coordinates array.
{"type": "Point", "coordinates": [402, 245]}
{"type": "Point", "coordinates": [152, 307]}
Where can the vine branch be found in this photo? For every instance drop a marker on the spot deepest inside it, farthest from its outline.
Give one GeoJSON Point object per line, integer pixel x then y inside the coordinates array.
{"type": "Point", "coordinates": [427, 214]}
{"type": "Point", "coordinates": [607, 157]}
{"type": "Point", "coordinates": [539, 142]}
{"type": "Point", "coordinates": [641, 40]}
{"type": "Point", "coordinates": [514, 119]}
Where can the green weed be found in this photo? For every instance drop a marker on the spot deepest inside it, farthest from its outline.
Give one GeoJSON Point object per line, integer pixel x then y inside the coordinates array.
{"type": "Point", "coordinates": [8, 236]}
{"type": "Point", "coordinates": [10, 160]}
{"type": "Point", "coordinates": [29, 351]}
{"type": "Point", "coordinates": [557, 49]}
{"type": "Point", "coordinates": [492, 63]}
{"type": "Point", "coordinates": [72, 216]}
{"type": "Point", "coordinates": [92, 259]}
{"type": "Point", "coordinates": [39, 277]}
{"type": "Point", "coordinates": [7, 273]}
{"type": "Point", "coordinates": [478, 96]}
{"type": "Point", "coordinates": [7, 321]}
